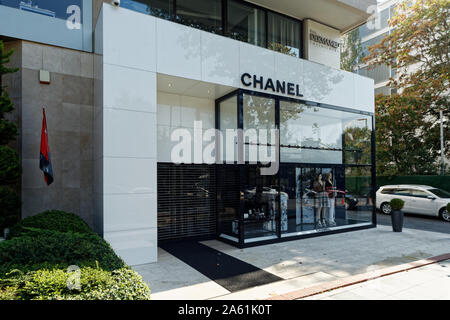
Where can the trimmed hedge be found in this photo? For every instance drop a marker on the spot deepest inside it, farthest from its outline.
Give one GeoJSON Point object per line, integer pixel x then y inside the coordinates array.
{"type": "Point", "coordinates": [38, 246]}
{"type": "Point", "coordinates": [34, 263]}
{"type": "Point", "coordinates": [51, 220]}
{"type": "Point", "coordinates": [88, 284]}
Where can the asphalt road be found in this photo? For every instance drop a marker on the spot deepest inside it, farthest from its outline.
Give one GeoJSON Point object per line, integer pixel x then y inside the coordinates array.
{"type": "Point", "coordinates": [418, 222]}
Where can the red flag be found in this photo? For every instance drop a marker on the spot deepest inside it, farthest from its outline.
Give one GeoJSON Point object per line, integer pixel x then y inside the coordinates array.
{"type": "Point", "coordinates": [45, 163]}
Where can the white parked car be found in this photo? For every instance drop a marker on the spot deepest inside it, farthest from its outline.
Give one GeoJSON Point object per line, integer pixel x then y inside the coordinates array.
{"type": "Point", "coordinates": [418, 199]}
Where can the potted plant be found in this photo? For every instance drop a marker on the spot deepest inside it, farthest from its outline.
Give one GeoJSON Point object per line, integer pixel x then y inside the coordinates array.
{"type": "Point", "coordinates": [397, 214]}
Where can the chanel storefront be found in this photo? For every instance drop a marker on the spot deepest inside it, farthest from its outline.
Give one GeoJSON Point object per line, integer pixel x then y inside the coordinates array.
{"type": "Point", "coordinates": [234, 122]}
{"type": "Point", "coordinates": [322, 183]}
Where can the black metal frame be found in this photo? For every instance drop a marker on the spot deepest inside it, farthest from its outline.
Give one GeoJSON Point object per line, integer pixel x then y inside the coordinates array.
{"type": "Point", "coordinates": [239, 93]}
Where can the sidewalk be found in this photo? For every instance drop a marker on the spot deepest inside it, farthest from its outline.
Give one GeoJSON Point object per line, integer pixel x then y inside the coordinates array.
{"type": "Point", "coordinates": [431, 282]}
{"type": "Point", "coordinates": [301, 263]}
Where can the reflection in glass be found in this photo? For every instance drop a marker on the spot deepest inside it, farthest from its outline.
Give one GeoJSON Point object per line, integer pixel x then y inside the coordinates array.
{"type": "Point", "coordinates": [259, 200]}
{"type": "Point", "coordinates": [228, 202]}
{"type": "Point", "coordinates": [284, 34]}
{"type": "Point", "coordinates": [358, 184]}
{"type": "Point", "coordinates": [325, 177]}
{"type": "Point", "coordinates": [259, 115]}
{"type": "Point", "coordinates": [201, 14]}
{"type": "Point", "coordinates": [357, 140]}
{"type": "Point", "coordinates": [246, 23]}
{"type": "Point", "coordinates": [310, 134]}
{"type": "Point", "coordinates": [228, 121]}
{"type": "Point", "coordinates": [158, 8]}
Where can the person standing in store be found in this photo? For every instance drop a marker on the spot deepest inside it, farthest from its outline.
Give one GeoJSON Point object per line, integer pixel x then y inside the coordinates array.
{"type": "Point", "coordinates": [322, 201]}
{"type": "Point", "coordinates": [329, 187]}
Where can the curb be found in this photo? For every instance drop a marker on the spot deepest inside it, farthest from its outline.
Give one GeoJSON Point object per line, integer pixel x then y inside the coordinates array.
{"type": "Point", "coordinates": [363, 277]}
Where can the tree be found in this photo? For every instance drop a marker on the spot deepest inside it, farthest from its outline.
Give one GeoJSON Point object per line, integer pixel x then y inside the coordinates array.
{"type": "Point", "coordinates": [10, 168]}
{"type": "Point", "coordinates": [405, 143]}
{"type": "Point", "coordinates": [418, 48]}
{"type": "Point", "coordinates": [351, 50]}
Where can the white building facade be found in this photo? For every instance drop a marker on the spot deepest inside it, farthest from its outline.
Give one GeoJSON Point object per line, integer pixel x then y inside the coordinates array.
{"type": "Point", "coordinates": [164, 70]}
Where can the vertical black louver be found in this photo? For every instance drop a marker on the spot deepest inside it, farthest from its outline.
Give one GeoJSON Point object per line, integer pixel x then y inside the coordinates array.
{"type": "Point", "coordinates": [186, 201]}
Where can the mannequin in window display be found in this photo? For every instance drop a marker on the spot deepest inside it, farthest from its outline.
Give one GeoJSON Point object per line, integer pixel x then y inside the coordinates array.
{"type": "Point", "coordinates": [322, 202]}
{"type": "Point", "coordinates": [331, 195]}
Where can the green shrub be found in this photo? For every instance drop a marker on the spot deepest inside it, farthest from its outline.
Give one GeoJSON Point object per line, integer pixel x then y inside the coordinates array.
{"type": "Point", "coordinates": [51, 220]}
{"type": "Point", "coordinates": [10, 169]}
{"type": "Point", "coordinates": [94, 284]}
{"type": "Point", "coordinates": [37, 248]}
{"type": "Point", "coordinates": [397, 204]}
{"type": "Point", "coordinates": [34, 262]}
{"type": "Point", "coordinates": [9, 207]}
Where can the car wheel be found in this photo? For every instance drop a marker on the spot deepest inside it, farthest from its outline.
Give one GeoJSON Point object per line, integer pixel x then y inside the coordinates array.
{"type": "Point", "coordinates": [444, 214]}
{"type": "Point", "coordinates": [386, 208]}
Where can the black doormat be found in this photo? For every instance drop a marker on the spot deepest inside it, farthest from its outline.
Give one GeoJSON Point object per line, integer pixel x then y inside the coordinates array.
{"type": "Point", "coordinates": [227, 271]}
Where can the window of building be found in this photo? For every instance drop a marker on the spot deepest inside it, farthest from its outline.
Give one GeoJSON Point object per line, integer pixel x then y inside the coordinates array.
{"type": "Point", "coordinates": [386, 91]}
{"type": "Point", "coordinates": [379, 73]}
{"type": "Point", "coordinates": [246, 23]}
{"type": "Point", "coordinates": [316, 144]}
{"type": "Point", "coordinates": [158, 8]}
{"type": "Point", "coordinates": [235, 19]}
{"type": "Point", "coordinates": [365, 45]}
{"type": "Point", "coordinates": [201, 14]}
{"type": "Point", "coordinates": [284, 34]}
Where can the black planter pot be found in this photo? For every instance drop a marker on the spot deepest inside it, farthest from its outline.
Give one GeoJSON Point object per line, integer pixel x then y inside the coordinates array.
{"type": "Point", "coordinates": [397, 220]}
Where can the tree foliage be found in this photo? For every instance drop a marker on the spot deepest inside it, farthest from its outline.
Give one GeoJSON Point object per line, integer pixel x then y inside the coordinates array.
{"type": "Point", "coordinates": [351, 50]}
{"type": "Point", "coordinates": [408, 126]}
{"type": "Point", "coordinates": [10, 169]}
{"type": "Point", "coordinates": [406, 143]}
{"type": "Point", "coordinates": [418, 48]}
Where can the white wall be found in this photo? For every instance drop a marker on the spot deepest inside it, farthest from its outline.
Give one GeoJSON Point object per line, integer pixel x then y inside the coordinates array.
{"type": "Point", "coordinates": [137, 47]}
{"type": "Point", "coordinates": [180, 112]}
{"type": "Point", "coordinates": [125, 130]}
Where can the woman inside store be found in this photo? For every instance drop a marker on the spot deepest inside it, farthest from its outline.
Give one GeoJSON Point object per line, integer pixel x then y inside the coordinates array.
{"type": "Point", "coordinates": [322, 202]}
{"type": "Point", "coordinates": [330, 189]}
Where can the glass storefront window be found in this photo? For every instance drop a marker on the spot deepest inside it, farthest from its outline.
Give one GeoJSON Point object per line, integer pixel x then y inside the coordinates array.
{"type": "Point", "coordinates": [228, 121]}
{"type": "Point", "coordinates": [358, 140]}
{"type": "Point", "coordinates": [324, 181]}
{"type": "Point", "coordinates": [284, 34]}
{"type": "Point", "coordinates": [158, 8]}
{"type": "Point", "coordinates": [358, 184]}
{"type": "Point", "coordinates": [201, 14]}
{"type": "Point", "coordinates": [259, 123]}
{"type": "Point", "coordinates": [259, 200]}
{"type": "Point", "coordinates": [246, 23]}
{"type": "Point", "coordinates": [310, 134]}
{"type": "Point", "coordinates": [228, 202]}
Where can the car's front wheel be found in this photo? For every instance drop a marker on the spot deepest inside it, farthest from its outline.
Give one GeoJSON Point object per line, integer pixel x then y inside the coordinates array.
{"type": "Point", "coordinates": [386, 208]}
{"type": "Point", "coordinates": [444, 214]}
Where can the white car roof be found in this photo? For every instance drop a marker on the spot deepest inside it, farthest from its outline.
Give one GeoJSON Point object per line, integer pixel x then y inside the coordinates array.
{"type": "Point", "coordinates": [412, 186]}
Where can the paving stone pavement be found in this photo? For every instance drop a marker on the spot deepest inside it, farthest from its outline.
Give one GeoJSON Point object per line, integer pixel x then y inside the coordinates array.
{"type": "Point", "coordinates": [301, 263]}
{"type": "Point", "coordinates": [430, 282]}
